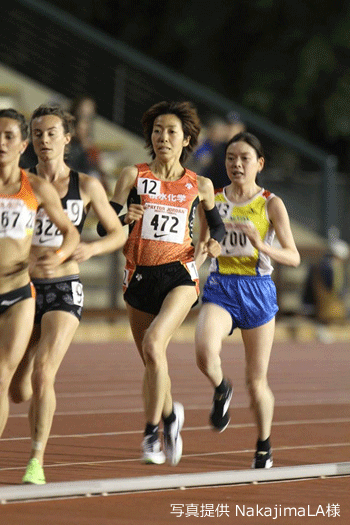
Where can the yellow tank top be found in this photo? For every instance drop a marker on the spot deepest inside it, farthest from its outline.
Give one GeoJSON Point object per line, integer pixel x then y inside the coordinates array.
{"type": "Point", "coordinates": [238, 256]}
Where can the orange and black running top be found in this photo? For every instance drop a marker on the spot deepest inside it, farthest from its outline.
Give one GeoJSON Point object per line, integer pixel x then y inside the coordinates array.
{"type": "Point", "coordinates": [17, 212]}
{"type": "Point", "coordinates": [164, 234]}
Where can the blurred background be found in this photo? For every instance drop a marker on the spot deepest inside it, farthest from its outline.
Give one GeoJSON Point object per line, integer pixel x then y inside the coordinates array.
{"type": "Point", "coordinates": [278, 68]}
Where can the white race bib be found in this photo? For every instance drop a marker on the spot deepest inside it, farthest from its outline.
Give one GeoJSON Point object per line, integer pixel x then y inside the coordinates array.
{"type": "Point", "coordinates": [164, 223]}
{"type": "Point", "coordinates": [149, 187]}
{"type": "Point", "coordinates": [126, 277]}
{"type": "Point", "coordinates": [75, 209]}
{"type": "Point", "coordinates": [236, 243]}
{"type": "Point", "coordinates": [16, 220]}
{"type": "Point", "coordinates": [78, 294]}
{"type": "Point", "coordinates": [46, 233]}
{"type": "Point", "coordinates": [192, 268]}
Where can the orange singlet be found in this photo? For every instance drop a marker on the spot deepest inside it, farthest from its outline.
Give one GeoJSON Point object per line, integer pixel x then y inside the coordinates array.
{"type": "Point", "coordinates": [164, 234]}
{"type": "Point", "coordinates": [18, 211]}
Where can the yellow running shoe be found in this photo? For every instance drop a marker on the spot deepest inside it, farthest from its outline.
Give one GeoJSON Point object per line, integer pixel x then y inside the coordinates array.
{"type": "Point", "coordinates": [34, 473]}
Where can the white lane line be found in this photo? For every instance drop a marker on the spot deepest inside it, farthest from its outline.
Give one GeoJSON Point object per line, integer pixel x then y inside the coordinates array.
{"type": "Point", "coordinates": [190, 429]}
{"type": "Point", "coordinates": [189, 456]}
{"type": "Point", "coordinates": [140, 410]}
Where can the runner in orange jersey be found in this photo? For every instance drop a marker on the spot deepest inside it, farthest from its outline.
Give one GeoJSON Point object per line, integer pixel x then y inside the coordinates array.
{"type": "Point", "coordinates": [21, 195]}
{"type": "Point", "coordinates": [161, 280]}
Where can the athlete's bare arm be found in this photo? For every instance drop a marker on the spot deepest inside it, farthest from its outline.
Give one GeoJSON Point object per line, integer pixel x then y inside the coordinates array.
{"type": "Point", "coordinates": [94, 194]}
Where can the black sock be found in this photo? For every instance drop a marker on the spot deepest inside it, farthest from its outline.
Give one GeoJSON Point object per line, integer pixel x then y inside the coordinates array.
{"type": "Point", "coordinates": [151, 430]}
{"type": "Point", "coordinates": [222, 388]}
{"type": "Point", "coordinates": [169, 419]}
{"type": "Point", "coordinates": [263, 446]}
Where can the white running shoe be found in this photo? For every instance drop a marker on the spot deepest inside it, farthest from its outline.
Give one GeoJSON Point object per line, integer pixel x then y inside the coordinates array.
{"type": "Point", "coordinates": [152, 453]}
{"type": "Point", "coordinates": [262, 460]}
{"type": "Point", "coordinates": [172, 437]}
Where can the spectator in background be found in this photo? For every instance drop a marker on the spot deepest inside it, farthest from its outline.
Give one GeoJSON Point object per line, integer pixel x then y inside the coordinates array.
{"type": "Point", "coordinates": [215, 134]}
{"type": "Point", "coordinates": [325, 286]}
{"type": "Point", "coordinates": [83, 107]}
{"type": "Point", "coordinates": [84, 155]}
{"type": "Point", "coordinates": [215, 169]}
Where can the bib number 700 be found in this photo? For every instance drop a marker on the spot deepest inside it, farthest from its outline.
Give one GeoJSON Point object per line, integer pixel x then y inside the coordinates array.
{"type": "Point", "coordinates": [236, 244]}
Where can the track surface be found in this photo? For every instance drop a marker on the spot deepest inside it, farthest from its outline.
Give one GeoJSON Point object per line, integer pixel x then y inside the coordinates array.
{"type": "Point", "coordinates": [98, 426]}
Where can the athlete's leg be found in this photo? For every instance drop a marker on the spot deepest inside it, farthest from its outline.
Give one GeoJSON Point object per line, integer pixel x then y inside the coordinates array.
{"type": "Point", "coordinates": [16, 326]}
{"type": "Point", "coordinates": [174, 310]}
{"type": "Point", "coordinates": [258, 343]}
{"type": "Point", "coordinates": [57, 331]}
{"type": "Point", "coordinates": [213, 325]}
{"type": "Point", "coordinates": [21, 385]}
{"type": "Point", "coordinates": [139, 322]}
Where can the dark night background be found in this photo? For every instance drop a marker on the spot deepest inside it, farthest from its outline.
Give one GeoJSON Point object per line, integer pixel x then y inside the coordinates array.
{"type": "Point", "coordinates": [287, 61]}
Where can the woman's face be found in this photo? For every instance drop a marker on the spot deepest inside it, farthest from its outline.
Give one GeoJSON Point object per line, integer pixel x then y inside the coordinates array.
{"type": "Point", "coordinates": [11, 142]}
{"type": "Point", "coordinates": [168, 138]}
{"type": "Point", "coordinates": [49, 138]}
{"type": "Point", "coordinates": [242, 162]}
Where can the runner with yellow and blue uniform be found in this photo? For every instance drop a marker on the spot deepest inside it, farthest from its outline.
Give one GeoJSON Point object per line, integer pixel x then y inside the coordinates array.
{"type": "Point", "coordinates": [239, 292]}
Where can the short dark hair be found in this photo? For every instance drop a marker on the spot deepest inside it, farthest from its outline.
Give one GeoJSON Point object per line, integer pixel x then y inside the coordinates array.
{"type": "Point", "coordinates": [185, 111]}
{"type": "Point", "coordinates": [49, 109]}
{"type": "Point", "coordinates": [249, 138]}
{"type": "Point", "coordinates": [15, 115]}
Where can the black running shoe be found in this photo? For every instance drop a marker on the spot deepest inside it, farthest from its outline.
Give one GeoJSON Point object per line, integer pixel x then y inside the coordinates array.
{"type": "Point", "coordinates": [262, 460]}
{"type": "Point", "coordinates": [220, 415]}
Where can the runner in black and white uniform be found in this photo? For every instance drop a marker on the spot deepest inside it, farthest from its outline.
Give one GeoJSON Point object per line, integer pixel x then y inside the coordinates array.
{"type": "Point", "coordinates": [59, 294]}
{"type": "Point", "coordinates": [63, 293]}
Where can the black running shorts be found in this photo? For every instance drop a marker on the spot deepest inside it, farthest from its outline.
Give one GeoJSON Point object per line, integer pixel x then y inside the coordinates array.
{"type": "Point", "coordinates": [62, 293]}
{"type": "Point", "coordinates": [149, 285]}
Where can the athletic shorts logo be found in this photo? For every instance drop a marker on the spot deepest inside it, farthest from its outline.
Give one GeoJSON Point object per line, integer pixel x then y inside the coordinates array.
{"type": "Point", "coordinates": [5, 302]}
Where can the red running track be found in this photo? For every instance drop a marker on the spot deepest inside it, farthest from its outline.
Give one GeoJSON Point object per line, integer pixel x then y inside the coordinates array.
{"type": "Point", "coordinates": [98, 427]}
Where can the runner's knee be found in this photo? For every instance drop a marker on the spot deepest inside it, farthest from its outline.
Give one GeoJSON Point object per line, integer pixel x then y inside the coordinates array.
{"type": "Point", "coordinates": [257, 388]}
{"type": "Point", "coordinates": [152, 349]}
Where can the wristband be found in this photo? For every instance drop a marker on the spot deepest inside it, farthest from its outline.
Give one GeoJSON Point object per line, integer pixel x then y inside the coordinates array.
{"type": "Point", "coordinates": [117, 208]}
{"type": "Point", "coordinates": [122, 219]}
{"type": "Point", "coordinates": [216, 226]}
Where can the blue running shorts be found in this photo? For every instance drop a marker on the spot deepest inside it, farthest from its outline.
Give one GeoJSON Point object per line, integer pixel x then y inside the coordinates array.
{"type": "Point", "coordinates": [250, 300]}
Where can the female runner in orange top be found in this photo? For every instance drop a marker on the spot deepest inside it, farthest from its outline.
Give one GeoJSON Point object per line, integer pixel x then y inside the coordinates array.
{"type": "Point", "coordinates": [161, 280]}
{"type": "Point", "coordinates": [21, 195]}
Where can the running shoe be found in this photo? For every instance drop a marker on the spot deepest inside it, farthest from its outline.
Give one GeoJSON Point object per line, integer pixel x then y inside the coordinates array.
{"type": "Point", "coordinates": [172, 437]}
{"type": "Point", "coordinates": [220, 415]}
{"type": "Point", "coordinates": [34, 473]}
{"type": "Point", "coordinates": [151, 451]}
{"type": "Point", "coordinates": [262, 459]}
